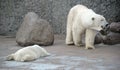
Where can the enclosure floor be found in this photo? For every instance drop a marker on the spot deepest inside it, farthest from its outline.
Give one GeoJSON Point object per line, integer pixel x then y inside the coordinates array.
{"type": "Point", "coordinates": [63, 57]}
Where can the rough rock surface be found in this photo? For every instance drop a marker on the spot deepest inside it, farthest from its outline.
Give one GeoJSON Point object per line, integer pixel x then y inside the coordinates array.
{"type": "Point", "coordinates": [115, 27]}
{"type": "Point", "coordinates": [34, 30]}
{"type": "Point", "coordinates": [54, 11]}
{"type": "Point", "coordinates": [112, 38]}
{"type": "Point", "coordinates": [98, 39]}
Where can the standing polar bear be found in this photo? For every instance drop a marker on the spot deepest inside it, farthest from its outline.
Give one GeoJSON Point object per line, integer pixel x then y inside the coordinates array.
{"type": "Point", "coordinates": [28, 53]}
{"type": "Point", "coordinates": [83, 20]}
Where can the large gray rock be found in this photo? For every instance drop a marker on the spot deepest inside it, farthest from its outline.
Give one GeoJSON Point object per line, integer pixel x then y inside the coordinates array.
{"type": "Point", "coordinates": [34, 30]}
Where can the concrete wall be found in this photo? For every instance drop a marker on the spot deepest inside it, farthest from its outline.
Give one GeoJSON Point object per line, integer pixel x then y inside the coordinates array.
{"type": "Point", "coordinates": [54, 11]}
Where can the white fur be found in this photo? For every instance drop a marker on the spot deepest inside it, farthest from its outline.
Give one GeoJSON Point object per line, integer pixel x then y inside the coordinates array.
{"type": "Point", "coordinates": [28, 53]}
{"type": "Point", "coordinates": [83, 20]}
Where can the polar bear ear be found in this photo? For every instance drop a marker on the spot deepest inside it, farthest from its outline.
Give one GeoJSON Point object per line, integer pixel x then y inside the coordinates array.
{"type": "Point", "coordinates": [93, 18]}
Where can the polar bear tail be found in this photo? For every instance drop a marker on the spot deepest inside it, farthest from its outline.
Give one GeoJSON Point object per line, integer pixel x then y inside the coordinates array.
{"type": "Point", "coordinates": [10, 57]}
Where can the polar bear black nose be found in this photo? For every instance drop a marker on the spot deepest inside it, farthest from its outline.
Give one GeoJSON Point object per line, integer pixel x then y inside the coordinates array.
{"type": "Point", "coordinates": [106, 25]}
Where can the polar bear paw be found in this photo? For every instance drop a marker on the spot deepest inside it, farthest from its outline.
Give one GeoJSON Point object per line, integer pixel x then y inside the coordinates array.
{"type": "Point", "coordinates": [79, 44]}
{"type": "Point", "coordinates": [90, 47]}
{"type": "Point", "coordinates": [69, 42]}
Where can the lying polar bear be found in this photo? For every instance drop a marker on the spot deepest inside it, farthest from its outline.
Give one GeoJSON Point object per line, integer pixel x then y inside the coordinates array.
{"type": "Point", "coordinates": [28, 53]}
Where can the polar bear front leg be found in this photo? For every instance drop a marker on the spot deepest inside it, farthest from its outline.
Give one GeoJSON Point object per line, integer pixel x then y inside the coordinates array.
{"type": "Point", "coordinates": [89, 38]}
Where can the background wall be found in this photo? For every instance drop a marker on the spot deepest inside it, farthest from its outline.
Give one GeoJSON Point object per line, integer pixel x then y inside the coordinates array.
{"type": "Point", "coordinates": [54, 11]}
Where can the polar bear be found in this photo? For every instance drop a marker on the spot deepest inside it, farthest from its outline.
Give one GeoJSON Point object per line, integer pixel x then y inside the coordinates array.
{"type": "Point", "coordinates": [82, 20]}
{"type": "Point", "coordinates": [28, 53]}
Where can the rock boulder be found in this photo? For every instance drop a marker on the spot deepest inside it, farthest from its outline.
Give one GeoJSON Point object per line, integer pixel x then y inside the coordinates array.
{"type": "Point", "coordinates": [115, 27]}
{"type": "Point", "coordinates": [34, 30]}
{"type": "Point", "coordinates": [112, 38]}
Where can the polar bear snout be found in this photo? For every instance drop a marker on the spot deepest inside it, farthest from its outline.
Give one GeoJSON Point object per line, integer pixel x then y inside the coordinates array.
{"type": "Point", "coordinates": [105, 26]}
{"type": "Point", "coordinates": [105, 29]}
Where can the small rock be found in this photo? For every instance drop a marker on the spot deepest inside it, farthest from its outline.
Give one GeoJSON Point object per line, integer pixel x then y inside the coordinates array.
{"type": "Point", "coordinates": [98, 38]}
{"type": "Point", "coordinates": [115, 27]}
{"type": "Point", "coordinates": [34, 30]}
{"type": "Point", "coordinates": [112, 38]}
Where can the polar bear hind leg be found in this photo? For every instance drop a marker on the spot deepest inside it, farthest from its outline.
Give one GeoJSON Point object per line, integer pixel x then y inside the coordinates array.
{"type": "Point", "coordinates": [77, 37]}
{"type": "Point", "coordinates": [69, 36]}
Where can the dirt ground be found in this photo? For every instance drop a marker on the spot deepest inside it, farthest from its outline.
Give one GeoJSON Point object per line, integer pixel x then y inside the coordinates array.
{"type": "Point", "coordinates": [63, 57]}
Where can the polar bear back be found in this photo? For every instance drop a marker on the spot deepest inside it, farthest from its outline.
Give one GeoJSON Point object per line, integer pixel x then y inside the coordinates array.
{"type": "Point", "coordinates": [83, 13]}
{"type": "Point", "coordinates": [78, 8]}
{"type": "Point", "coordinates": [85, 17]}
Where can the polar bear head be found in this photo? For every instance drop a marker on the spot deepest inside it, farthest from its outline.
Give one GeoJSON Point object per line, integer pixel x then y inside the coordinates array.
{"type": "Point", "coordinates": [98, 22]}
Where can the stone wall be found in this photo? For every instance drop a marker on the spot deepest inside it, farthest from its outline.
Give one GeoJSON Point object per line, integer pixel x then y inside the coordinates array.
{"type": "Point", "coordinates": [54, 11]}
